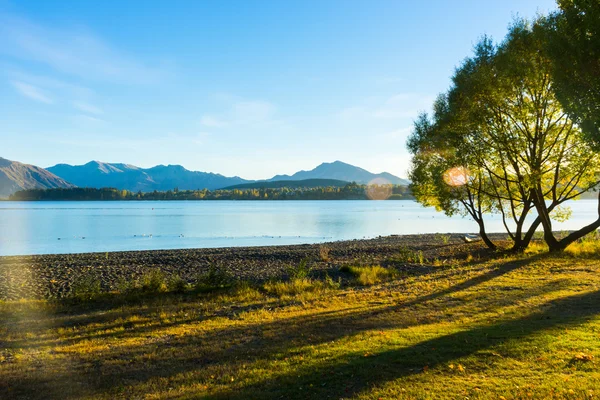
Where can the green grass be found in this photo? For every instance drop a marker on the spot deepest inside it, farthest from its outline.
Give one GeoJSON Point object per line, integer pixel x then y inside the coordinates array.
{"type": "Point", "coordinates": [515, 327]}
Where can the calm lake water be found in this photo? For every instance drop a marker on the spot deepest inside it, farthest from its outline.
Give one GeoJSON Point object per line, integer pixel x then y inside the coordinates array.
{"type": "Point", "coordinates": [76, 227]}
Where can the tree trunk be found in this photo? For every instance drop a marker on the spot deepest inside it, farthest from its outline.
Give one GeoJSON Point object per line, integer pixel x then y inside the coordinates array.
{"type": "Point", "coordinates": [521, 243]}
{"type": "Point", "coordinates": [544, 216]}
{"type": "Point", "coordinates": [484, 236]}
{"type": "Point", "coordinates": [565, 242]}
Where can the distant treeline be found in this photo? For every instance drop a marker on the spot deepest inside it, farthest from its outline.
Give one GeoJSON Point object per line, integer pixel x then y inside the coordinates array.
{"type": "Point", "coordinates": [351, 191]}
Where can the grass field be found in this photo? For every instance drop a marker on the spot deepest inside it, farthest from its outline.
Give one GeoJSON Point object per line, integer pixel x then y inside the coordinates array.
{"type": "Point", "coordinates": [503, 327]}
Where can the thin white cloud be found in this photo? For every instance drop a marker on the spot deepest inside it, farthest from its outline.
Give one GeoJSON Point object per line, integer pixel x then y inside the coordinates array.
{"type": "Point", "coordinates": [87, 108]}
{"type": "Point", "coordinates": [74, 51]}
{"type": "Point", "coordinates": [32, 92]}
{"type": "Point", "coordinates": [242, 113]}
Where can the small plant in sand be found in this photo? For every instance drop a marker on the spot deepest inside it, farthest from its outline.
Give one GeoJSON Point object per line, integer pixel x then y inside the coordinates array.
{"type": "Point", "coordinates": [406, 255]}
{"type": "Point", "coordinates": [300, 271]}
{"type": "Point", "coordinates": [444, 238]}
{"type": "Point", "coordinates": [324, 253]}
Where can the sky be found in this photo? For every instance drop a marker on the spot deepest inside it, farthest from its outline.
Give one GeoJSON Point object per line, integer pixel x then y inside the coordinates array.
{"type": "Point", "coordinates": [251, 88]}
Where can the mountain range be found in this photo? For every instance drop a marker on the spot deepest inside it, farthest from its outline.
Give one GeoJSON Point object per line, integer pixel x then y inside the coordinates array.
{"type": "Point", "coordinates": [124, 176]}
{"type": "Point", "coordinates": [343, 172]}
{"type": "Point", "coordinates": [16, 176]}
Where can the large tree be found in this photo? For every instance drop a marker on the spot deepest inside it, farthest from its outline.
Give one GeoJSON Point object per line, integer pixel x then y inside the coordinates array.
{"type": "Point", "coordinates": [503, 124]}
{"type": "Point", "coordinates": [574, 47]}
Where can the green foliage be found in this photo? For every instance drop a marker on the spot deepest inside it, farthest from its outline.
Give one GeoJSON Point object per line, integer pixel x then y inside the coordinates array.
{"type": "Point", "coordinates": [215, 278]}
{"type": "Point", "coordinates": [445, 239]}
{"type": "Point", "coordinates": [511, 152]}
{"type": "Point", "coordinates": [350, 191]}
{"type": "Point", "coordinates": [176, 284]}
{"type": "Point", "coordinates": [406, 255]}
{"type": "Point", "coordinates": [300, 271]}
{"type": "Point", "coordinates": [574, 47]}
{"type": "Point", "coordinates": [86, 287]}
{"type": "Point", "coordinates": [154, 281]}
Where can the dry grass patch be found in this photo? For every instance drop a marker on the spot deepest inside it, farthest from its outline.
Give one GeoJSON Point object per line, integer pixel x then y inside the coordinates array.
{"type": "Point", "coordinates": [370, 275]}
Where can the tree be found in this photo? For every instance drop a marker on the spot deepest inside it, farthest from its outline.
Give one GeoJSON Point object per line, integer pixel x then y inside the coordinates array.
{"type": "Point", "coordinates": [439, 175]}
{"type": "Point", "coordinates": [574, 49]}
{"type": "Point", "coordinates": [502, 124]}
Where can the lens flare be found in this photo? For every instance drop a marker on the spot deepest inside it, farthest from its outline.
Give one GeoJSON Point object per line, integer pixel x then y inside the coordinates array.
{"type": "Point", "coordinates": [379, 189]}
{"type": "Point", "coordinates": [457, 176]}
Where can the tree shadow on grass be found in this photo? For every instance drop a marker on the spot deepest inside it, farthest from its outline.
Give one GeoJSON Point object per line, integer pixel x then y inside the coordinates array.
{"type": "Point", "coordinates": [193, 351]}
{"type": "Point", "coordinates": [355, 373]}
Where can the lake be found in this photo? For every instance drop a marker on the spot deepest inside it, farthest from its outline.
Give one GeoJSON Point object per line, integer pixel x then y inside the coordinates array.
{"type": "Point", "coordinates": [77, 227]}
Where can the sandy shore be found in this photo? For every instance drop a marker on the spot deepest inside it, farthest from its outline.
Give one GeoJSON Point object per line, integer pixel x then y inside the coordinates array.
{"type": "Point", "coordinates": [52, 276]}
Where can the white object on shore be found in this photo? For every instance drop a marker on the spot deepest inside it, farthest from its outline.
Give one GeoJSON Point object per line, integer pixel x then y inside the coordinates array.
{"type": "Point", "coordinates": [471, 238]}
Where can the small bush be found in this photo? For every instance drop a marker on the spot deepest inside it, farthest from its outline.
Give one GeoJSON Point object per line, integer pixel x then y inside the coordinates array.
{"type": "Point", "coordinates": [86, 287]}
{"type": "Point", "coordinates": [366, 276]}
{"type": "Point", "coordinates": [445, 239]}
{"type": "Point", "coordinates": [324, 253]}
{"type": "Point", "coordinates": [406, 255]}
{"type": "Point", "coordinates": [154, 281]}
{"type": "Point", "coordinates": [300, 271]}
{"type": "Point", "coordinates": [345, 268]}
{"type": "Point", "coordinates": [177, 284]}
{"type": "Point", "coordinates": [214, 279]}
{"type": "Point", "coordinates": [331, 284]}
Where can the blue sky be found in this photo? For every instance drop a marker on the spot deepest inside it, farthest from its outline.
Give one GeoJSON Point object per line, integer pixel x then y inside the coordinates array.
{"type": "Point", "coordinates": [249, 88]}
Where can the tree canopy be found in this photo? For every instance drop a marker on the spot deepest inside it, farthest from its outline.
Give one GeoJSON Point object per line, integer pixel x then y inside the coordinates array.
{"type": "Point", "coordinates": [574, 48]}
{"type": "Point", "coordinates": [499, 141]}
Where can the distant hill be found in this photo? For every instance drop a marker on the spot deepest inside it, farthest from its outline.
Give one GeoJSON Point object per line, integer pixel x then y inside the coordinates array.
{"type": "Point", "coordinates": [306, 183]}
{"type": "Point", "coordinates": [15, 176]}
{"type": "Point", "coordinates": [129, 177]}
{"type": "Point", "coordinates": [341, 171]}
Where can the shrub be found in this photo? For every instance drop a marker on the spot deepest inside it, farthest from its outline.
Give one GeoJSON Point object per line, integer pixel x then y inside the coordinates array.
{"type": "Point", "coordinates": [406, 255]}
{"type": "Point", "coordinates": [86, 287]}
{"type": "Point", "coordinates": [324, 253]}
{"type": "Point", "coordinates": [445, 239]}
{"type": "Point", "coordinates": [299, 271]}
{"type": "Point", "coordinates": [345, 268]}
{"type": "Point", "coordinates": [215, 278]}
{"type": "Point", "coordinates": [177, 284]}
{"type": "Point", "coordinates": [331, 284]}
{"type": "Point", "coordinates": [154, 281]}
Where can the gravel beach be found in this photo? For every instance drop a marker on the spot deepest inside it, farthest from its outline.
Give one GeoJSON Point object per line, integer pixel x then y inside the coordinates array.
{"type": "Point", "coordinates": [52, 276]}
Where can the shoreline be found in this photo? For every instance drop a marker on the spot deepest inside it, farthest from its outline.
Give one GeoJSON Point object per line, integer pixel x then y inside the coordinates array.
{"type": "Point", "coordinates": [53, 275]}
